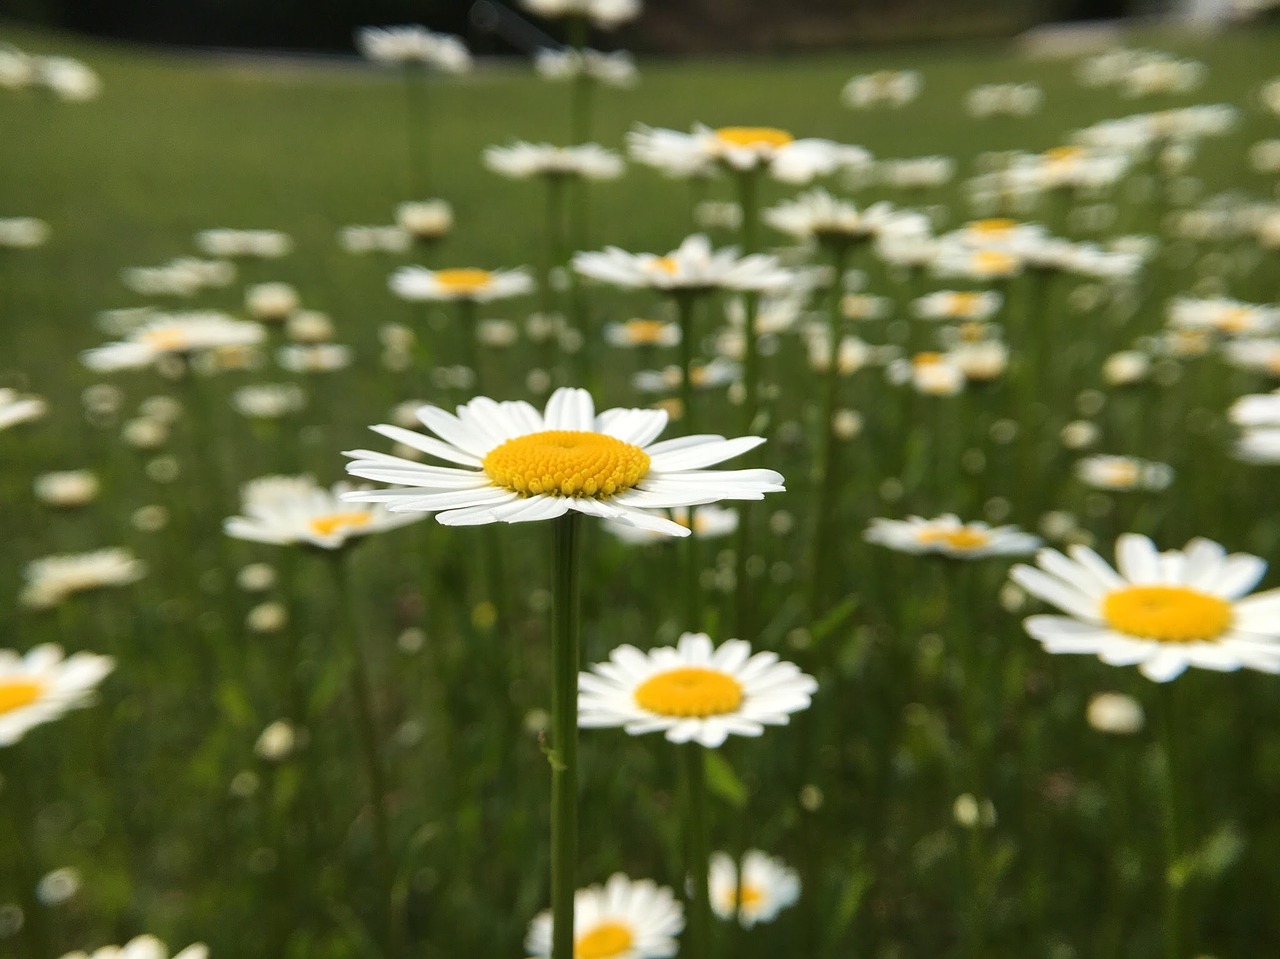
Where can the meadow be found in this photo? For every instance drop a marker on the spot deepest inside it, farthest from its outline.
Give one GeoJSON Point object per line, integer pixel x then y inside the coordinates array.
{"type": "Point", "coordinates": [953, 789]}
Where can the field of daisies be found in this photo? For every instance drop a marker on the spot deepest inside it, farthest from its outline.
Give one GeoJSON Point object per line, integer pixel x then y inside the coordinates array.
{"type": "Point", "coordinates": [592, 508]}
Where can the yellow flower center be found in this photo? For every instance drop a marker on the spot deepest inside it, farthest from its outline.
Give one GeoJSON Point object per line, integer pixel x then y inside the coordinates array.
{"type": "Point", "coordinates": [603, 942]}
{"type": "Point", "coordinates": [994, 261]}
{"type": "Point", "coordinates": [567, 463]}
{"type": "Point", "coordinates": [1122, 473]}
{"type": "Point", "coordinates": [1170, 614]}
{"type": "Point", "coordinates": [1273, 363]}
{"type": "Point", "coordinates": [972, 332]}
{"type": "Point", "coordinates": [644, 331]}
{"type": "Point", "coordinates": [995, 226]}
{"type": "Point", "coordinates": [1064, 154]}
{"type": "Point", "coordinates": [166, 339]}
{"type": "Point", "coordinates": [464, 280]}
{"type": "Point", "coordinates": [690, 692]}
{"type": "Point", "coordinates": [667, 264]}
{"type": "Point", "coordinates": [340, 522]}
{"type": "Point", "coordinates": [926, 359]}
{"type": "Point", "coordinates": [754, 137]}
{"type": "Point", "coordinates": [962, 538]}
{"type": "Point", "coordinates": [1235, 319]}
{"type": "Point", "coordinates": [963, 304]}
{"type": "Point", "coordinates": [752, 897]}
{"type": "Point", "coordinates": [17, 693]}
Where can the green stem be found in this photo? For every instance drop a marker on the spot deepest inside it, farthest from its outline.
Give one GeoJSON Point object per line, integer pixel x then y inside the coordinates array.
{"type": "Point", "coordinates": [557, 251]}
{"type": "Point", "coordinates": [749, 201]}
{"type": "Point", "coordinates": [15, 785]}
{"type": "Point", "coordinates": [1174, 839]}
{"type": "Point", "coordinates": [367, 729]}
{"type": "Point", "coordinates": [416, 105]}
{"type": "Point", "coordinates": [685, 309]}
{"type": "Point", "coordinates": [698, 844]}
{"type": "Point", "coordinates": [468, 311]}
{"type": "Point", "coordinates": [566, 536]}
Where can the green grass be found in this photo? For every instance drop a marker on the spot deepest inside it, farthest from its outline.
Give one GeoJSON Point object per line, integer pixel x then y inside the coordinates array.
{"type": "Point", "coordinates": [136, 792]}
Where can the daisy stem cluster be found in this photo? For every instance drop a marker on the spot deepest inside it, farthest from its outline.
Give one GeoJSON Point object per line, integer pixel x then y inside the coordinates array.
{"type": "Point", "coordinates": [563, 756]}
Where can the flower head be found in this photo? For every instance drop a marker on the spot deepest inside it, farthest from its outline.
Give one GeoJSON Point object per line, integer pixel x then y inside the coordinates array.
{"type": "Point", "coordinates": [142, 947]}
{"type": "Point", "coordinates": [519, 465]}
{"type": "Point", "coordinates": [16, 408]}
{"type": "Point", "coordinates": [768, 886]}
{"type": "Point", "coordinates": [52, 579]}
{"type": "Point", "coordinates": [693, 267]}
{"type": "Point", "coordinates": [1123, 473]}
{"type": "Point", "coordinates": [622, 919]}
{"type": "Point", "coordinates": [289, 510]}
{"type": "Point", "coordinates": [616, 69]}
{"type": "Point", "coordinates": [817, 215]}
{"type": "Point", "coordinates": [948, 536]}
{"type": "Point", "coordinates": [1161, 612]}
{"type": "Point", "coordinates": [39, 687]}
{"type": "Point", "coordinates": [693, 692]}
{"type": "Point", "coordinates": [181, 334]}
{"type": "Point", "coordinates": [520, 161]}
{"type": "Point", "coordinates": [605, 14]}
{"type": "Point", "coordinates": [418, 283]}
{"type": "Point", "coordinates": [706, 150]}
{"type": "Point", "coordinates": [413, 45]}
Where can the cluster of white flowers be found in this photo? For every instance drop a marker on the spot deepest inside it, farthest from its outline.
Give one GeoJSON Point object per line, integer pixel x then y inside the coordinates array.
{"type": "Point", "coordinates": [182, 277]}
{"type": "Point", "coordinates": [414, 46]}
{"type": "Point", "coordinates": [890, 88]}
{"type": "Point", "coordinates": [615, 69]}
{"type": "Point", "coordinates": [1004, 100]}
{"type": "Point", "coordinates": [66, 78]}
{"type": "Point", "coordinates": [1138, 73]}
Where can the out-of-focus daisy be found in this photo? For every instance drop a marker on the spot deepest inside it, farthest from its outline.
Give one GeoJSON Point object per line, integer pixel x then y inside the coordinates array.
{"type": "Point", "coordinates": [694, 266]}
{"type": "Point", "coordinates": [425, 220]}
{"type": "Point", "coordinates": [1269, 94]}
{"type": "Point", "coordinates": [741, 148]}
{"type": "Point", "coordinates": [142, 947]}
{"type": "Point", "coordinates": [177, 334]}
{"type": "Point", "coordinates": [958, 260]}
{"type": "Point", "coordinates": [39, 687]}
{"type": "Point", "coordinates": [981, 361]}
{"type": "Point", "coordinates": [522, 160]}
{"type": "Point", "coordinates": [1231, 317]}
{"type": "Point", "coordinates": [23, 232]}
{"type": "Point", "coordinates": [229, 244]}
{"type": "Point", "coordinates": [1259, 445]}
{"type": "Point", "coordinates": [948, 536]}
{"type": "Point", "coordinates": [413, 45]}
{"type": "Point", "coordinates": [1162, 75]}
{"type": "Point", "coordinates": [314, 357]}
{"type": "Point", "coordinates": [768, 886]}
{"type": "Point", "coordinates": [708, 522]}
{"type": "Point", "coordinates": [519, 465]}
{"type": "Point", "coordinates": [1126, 368]}
{"type": "Point", "coordinates": [1161, 612]}
{"type": "Point", "coordinates": [268, 401]}
{"type": "Point", "coordinates": [417, 283]}
{"type": "Point", "coordinates": [693, 692]}
{"type": "Point", "coordinates": [1004, 99]}
{"type": "Point", "coordinates": [69, 80]}
{"type": "Point", "coordinates": [916, 173]}
{"type": "Point", "coordinates": [931, 373]}
{"type": "Point", "coordinates": [309, 326]}
{"type": "Point", "coordinates": [271, 302]}
{"type": "Point", "coordinates": [288, 510]}
{"type": "Point", "coordinates": [184, 277]}
{"type": "Point", "coordinates": [718, 373]}
{"type": "Point", "coordinates": [1264, 156]}
{"type": "Point", "coordinates": [1124, 473]}
{"type": "Point", "coordinates": [852, 353]}
{"type": "Point", "coordinates": [1115, 714]}
{"type": "Point", "coordinates": [817, 215]}
{"type": "Point", "coordinates": [374, 239]}
{"type": "Point", "coordinates": [17, 69]}
{"type": "Point", "coordinates": [18, 408]}
{"type": "Point", "coordinates": [958, 305]}
{"type": "Point", "coordinates": [66, 489]}
{"type": "Point", "coordinates": [642, 332]}
{"type": "Point", "coordinates": [605, 14]}
{"type": "Point", "coordinates": [622, 919]}
{"type": "Point", "coordinates": [52, 579]}
{"type": "Point", "coordinates": [616, 69]}
{"type": "Point", "coordinates": [892, 88]}
{"type": "Point", "coordinates": [1258, 409]}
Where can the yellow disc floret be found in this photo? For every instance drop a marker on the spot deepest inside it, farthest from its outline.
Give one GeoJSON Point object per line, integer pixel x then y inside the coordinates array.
{"type": "Point", "coordinates": [752, 898]}
{"type": "Point", "coordinates": [1170, 614]}
{"type": "Point", "coordinates": [463, 281]}
{"type": "Point", "coordinates": [167, 339]}
{"type": "Point", "coordinates": [17, 693]}
{"type": "Point", "coordinates": [333, 523]}
{"type": "Point", "coordinates": [567, 463]}
{"type": "Point", "coordinates": [605, 941]}
{"type": "Point", "coordinates": [959, 538]}
{"type": "Point", "coordinates": [754, 137]}
{"type": "Point", "coordinates": [690, 692]}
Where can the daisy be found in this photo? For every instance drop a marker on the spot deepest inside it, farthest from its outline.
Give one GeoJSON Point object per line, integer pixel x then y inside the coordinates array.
{"type": "Point", "coordinates": [1231, 317]}
{"type": "Point", "coordinates": [931, 373]}
{"type": "Point", "coordinates": [707, 376]}
{"type": "Point", "coordinates": [917, 173]}
{"type": "Point", "coordinates": [229, 244]}
{"type": "Point", "coordinates": [271, 302]}
{"type": "Point", "coordinates": [1004, 99]}
{"type": "Point", "coordinates": [70, 80]}
{"type": "Point", "coordinates": [709, 522]}
{"type": "Point", "coordinates": [981, 361]}
{"type": "Point", "coordinates": [605, 14]}
{"type": "Point", "coordinates": [66, 489]}
{"type": "Point", "coordinates": [958, 305]}
{"type": "Point", "coordinates": [616, 69]}
{"type": "Point", "coordinates": [268, 401]}
{"type": "Point", "coordinates": [522, 160]}
{"type": "Point", "coordinates": [642, 332]}
{"type": "Point", "coordinates": [817, 215]}
{"type": "Point", "coordinates": [16, 408]}
{"type": "Point", "coordinates": [142, 947]}
{"type": "Point", "coordinates": [1259, 409]}
{"type": "Point", "coordinates": [953, 259]}
{"type": "Point", "coordinates": [1123, 473]}
{"type": "Point", "coordinates": [519, 465]}
{"type": "Point", "coordinates": [177, 334]}
{"type": "Point", "coordinates": [39, 687]}
{"type": "Point", "coordinates": [417, 283]}
{"type": "Point", "coordinates": [741, 149]}
{"type": "Point", "coordinates": [893, 88]}
{"type": "Point", "coordinates": [1260, 446]}
{"type": "Point", "coordinates": [693, 692]}
{"type": "Point", "coordinates": [693, 267]}
{"type": "Point", "coordinates": [948, 536]}
{"type": "Point", "coordinates": [413, 45]}
{"type": "Point", "coordinates": [314, 357]}
{"type": "Point", "coordinates": [424, 220]}
{"type": "Point", "coordinates": [1161, 612]}
{"type": "Point", "coordinates": [622, 919]}
{"type": "Point", "coordinates": [52, 579]}
{"type": "Point", "coordinates": [768, 886]}
{"type": "Point", "coordinates": [23, 232]}
{"type": "Point", "coordinates": [374, 239]}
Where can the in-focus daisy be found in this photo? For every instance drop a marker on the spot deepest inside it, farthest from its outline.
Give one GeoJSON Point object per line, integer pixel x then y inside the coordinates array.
{"type": "Point", "coordinates": [768, 886]}
{"type": "Point", "coordinates": [52, 579]}
{"type": "Point", "coordinates": [622, 919]}
{"type": "Point", "coordinates": [948, 536]}
{"type": "Point", "coordinates": [694, 266]}
{"type": "Point", "coordinates": [142, 947]}
{"type": "Point", "coordinates": [39, 687]}
{"type": "Point", "coordinates": [1161, 612]}
{"type": "Point", "coordinates": [16, 408]}
{"type": "Point", "coordinates": [741, 148]}
{"type": "Point", "coordinates": [707, 522]}
{"type": "Point", "coordinates": [517, 465]}
{"type": "Point", "coordinates": [605, 14]}
{"type": "Point", "coordinates": [958, 305]}
{"type": "Point", "coordinates": [178, 334]}
{"type": "Point", "coordinates": [693, 692]}
{"type": "Point", "coordinates": [417, 283]}
{"type": "Point", "coordinates": [413, 45]}
{"type": "Point", "coordinates": [1123, 473]}
{"type": "Point", "coordinates": [287, 510]}
{"type": "Point", "coordinates": [521, 160]}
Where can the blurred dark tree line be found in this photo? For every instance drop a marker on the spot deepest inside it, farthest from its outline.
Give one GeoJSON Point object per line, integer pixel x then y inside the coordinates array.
{"type": "Point", "coordinates": [675, 26]}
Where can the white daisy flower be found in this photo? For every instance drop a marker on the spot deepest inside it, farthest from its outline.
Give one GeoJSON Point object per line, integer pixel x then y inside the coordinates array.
{"type": "Point", "coordinates": [39, 687]}
{"type": "Point", "coordinates": [768, 886]}
{"type": "Point", "coordinates": [314, 357]}
{"type": "Point", "coordinates": [817, 215]}
{"type": "Point", "coordinates": [1258, 409]}
{"type": "Point", "coordinates": [706, 376]}
{"type": "Point", "coordinates": [522, 160]}
{"type": "Point", "coordinates": [16, 408]}
{"type": "Point", "coordinates": [23, 232]}
{"type": "Point", "coordinates": [70, 80]}
{"type": "Point", "coordinates": [1161, 612]}
{"type": "Point", "coordinates": [958, 305]}
{"type": "Point", "coordinates": [229, 244]}
{"type": "Point", "coordinates": [288, 510]}
{"type": "Point", "coordinates": [413, 45]}
{"type": "Point", "coordinates": [1259, 355]}
{"type": "Point", "coordinates": [981, 361]}
{"type": "Point", "coordinates": [271, 302]}
{"type": "Point", "coordinates": [52, 579]}
{"type": "Point", "coordinates": [693, 692]}
{"type": "Point", "coordinates": [374, 239]}
{"type": "Point", "coordinates": [893, 88]}
{"type": "Point", "coordinates": [948, 536]}
{"type": "Point", "coordinates": [1232, 317]}
{"type": "Point", "coordinates": [741, 148]}
{"type": "Point", "coordinates": [642, 332]}
{"type": "Point", "coordinates": [181, 334]}
{"type": "Point", "coordinates": [622, 919]}
{"type": "Point", "coordinates": [958, 260]}
{"type": "Point", "coordinates": [916, 173]}
{"type": "Point", "coordinates": [519, 465]}
{"type": "Point", "coordinates": [417, 283]}
{"type": "Point", "coordinates": [425, 220]}
{"type": "Point", "coordinates": [616, 69]}
{"type": "Point", "coordinates": [694, 266]}
{"type": "Point", "coordinates": [1003, 99]}
{"type": "Point", "coordinates": [708, 522]}
{"type": "Point", "coordinates": [66, 489]}
{"type": "Point", "coordinates": [1123, 473]}
{"type": "Point", "coordinates": [605, 14]}
{"type": "Point", "coordinates": [142, 947]}
{"type": "Point", "coordinates": [931, 373]}
{"type": "Point", "coordinates": [1073, 167]}
{"type": "Point", "coordinates": [1260, 446]}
